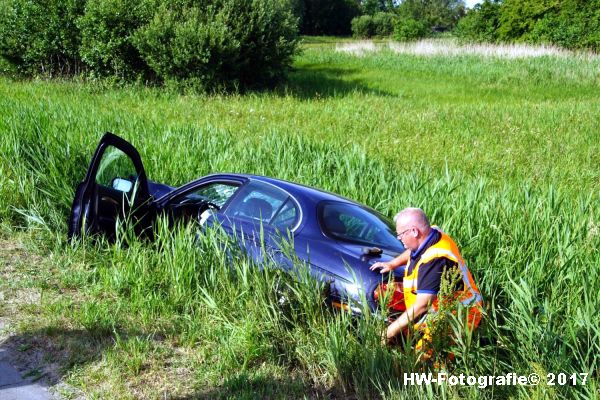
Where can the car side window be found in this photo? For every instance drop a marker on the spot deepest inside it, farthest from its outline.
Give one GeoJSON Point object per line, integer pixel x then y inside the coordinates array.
{"type": "Point", "coordinates": [265, 203]}
{"type": "Point", "coordinates": [355, 226]}
{"type": "Point", "coordinates": [352, 223]}
{"type": "Point", "coordinates": [217, 193]}
{"type": "Point", "coordinates": [287, 216]}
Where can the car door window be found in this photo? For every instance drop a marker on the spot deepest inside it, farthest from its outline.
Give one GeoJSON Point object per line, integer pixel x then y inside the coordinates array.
{"type": "Point", "coordinates": [263, 202]}
{"type": "Point", "coordinates": [116, 171]}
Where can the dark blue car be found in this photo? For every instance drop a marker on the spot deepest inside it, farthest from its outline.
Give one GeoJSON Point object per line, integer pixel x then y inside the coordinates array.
{"type": "Point", "coordinates": [338, 238]}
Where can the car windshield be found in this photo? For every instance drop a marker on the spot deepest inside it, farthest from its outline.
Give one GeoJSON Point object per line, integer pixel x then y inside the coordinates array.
{"type": "Point", "coordinates": [352, 223]}
{"type": "Point", "coordinates": [215, 192]}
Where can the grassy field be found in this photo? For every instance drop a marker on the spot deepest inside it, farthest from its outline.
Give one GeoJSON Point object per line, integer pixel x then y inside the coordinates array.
{"type": "Point", "coordinates": [504, 154]}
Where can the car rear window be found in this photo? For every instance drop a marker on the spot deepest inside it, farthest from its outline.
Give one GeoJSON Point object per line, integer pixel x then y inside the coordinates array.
{"type": "Point", "coordinates": [355, 224]}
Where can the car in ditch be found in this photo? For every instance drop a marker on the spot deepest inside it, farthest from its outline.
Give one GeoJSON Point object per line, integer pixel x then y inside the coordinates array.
{"type": "Point", "coordinates": [339, 239]}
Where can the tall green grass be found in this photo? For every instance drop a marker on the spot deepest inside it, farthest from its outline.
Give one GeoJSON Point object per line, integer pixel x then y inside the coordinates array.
{"type": "Point", "coordinates": [502, 155]}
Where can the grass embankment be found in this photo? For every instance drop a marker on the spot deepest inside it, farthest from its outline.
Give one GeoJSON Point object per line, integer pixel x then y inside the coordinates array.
{"type": "Point", "coordinates": [503, 154]}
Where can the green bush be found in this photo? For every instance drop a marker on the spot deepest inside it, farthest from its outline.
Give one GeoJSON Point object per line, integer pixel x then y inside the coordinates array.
{"type": "Point", "coordinates": [481, 23]}
{"type": "Point", "coordinates": [199, 43]}
{"type": "Point", "coordinates": [219, 44]}
{"type": "Point", "coordinates": [384, 24]}
{"type": "Point", "coordinates": [518, 17]}
{"type": "Point", "coordinates": [550, 29]}
{"type": "Point", "coordinates": [576, 26]}
{"type": "Point", "coordinates": [573, 24]}
{"type": "Point", "coordinates": [363, 27]}
{"type": "Point", "coordinates": [107, 29]}
{"type": "Point", "coordinates": [410, 29]}
{"type": "Point", "coordinates": [40, 36]}
{"type": "Point", "coordinates": [381, 24]}
{"type": "Point", "coordinates": [438, 15]}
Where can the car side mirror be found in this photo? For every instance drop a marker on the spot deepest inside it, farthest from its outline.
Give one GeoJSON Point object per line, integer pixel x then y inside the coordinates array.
{"type": "Point", "coordinates": [122, 185]}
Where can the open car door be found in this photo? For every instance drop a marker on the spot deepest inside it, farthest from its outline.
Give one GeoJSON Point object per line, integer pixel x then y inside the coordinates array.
{"type": "Point", "coordinates": [114, 189]}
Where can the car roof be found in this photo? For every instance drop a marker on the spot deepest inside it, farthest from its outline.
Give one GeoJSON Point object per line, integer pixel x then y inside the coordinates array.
{"type": "Point", "coordinates": [300, 190]}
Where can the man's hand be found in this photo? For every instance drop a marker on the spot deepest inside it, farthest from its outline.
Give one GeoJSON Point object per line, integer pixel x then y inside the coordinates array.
{"type": "Point", "coordinates": [384, 338]}
{"type": "Point", "coordinates": [410, 316]}
{"type": "Point", "coordinates": [392, 264]}
{"type": "Point", "coordinates": [384, 266]}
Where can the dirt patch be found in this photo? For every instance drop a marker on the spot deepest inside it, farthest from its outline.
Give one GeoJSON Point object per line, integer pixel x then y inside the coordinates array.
{"type": "Point", "coordinates": [33, 354]}
{"type": "Point", "coordinates": [10, 252]}
{"type": "Point", "coordinates": [14, 291]}
{"type": "Point", "coordinates": [15, 263]}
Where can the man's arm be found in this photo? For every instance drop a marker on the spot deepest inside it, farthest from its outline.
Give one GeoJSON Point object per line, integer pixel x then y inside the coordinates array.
{"type": "Point", "coordinates": [393, 263]}
{"type": "Point", "coordinates": [420, 306]}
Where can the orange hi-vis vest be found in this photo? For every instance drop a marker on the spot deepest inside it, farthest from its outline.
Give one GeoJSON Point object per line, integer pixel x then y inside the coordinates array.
{"type": "Point", "coordinates": [469, 295]}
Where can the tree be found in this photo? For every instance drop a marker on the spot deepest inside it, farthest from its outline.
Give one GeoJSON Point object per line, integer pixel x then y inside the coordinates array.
{"type": "Point", "coordinates": [573, 24]}
{"type": "Point", "coordinates": [40, 37]}
{"type": "Point", "coordinates": [481, 22]}
{"type": "Point", "coordinates": [371, 7]}
{"type": "Point", "coordinates": [439, 15]}
{"type": "Point", "coordinates": [518, 17]}
{"type": "Point", "coordinates": [329, 17]}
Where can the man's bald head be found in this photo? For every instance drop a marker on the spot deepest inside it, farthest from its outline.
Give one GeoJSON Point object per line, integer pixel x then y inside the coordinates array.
{"type": "Point", "coordinates": [412, 227]}
{"type": "Point", "coordinates": [413, 216]}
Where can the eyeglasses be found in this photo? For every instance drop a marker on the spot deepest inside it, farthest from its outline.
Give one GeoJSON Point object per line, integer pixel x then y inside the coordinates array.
{"type": "Point", "coordinates": [399, 236]}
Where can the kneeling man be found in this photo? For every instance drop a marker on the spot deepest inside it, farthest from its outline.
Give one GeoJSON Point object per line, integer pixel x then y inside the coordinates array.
{"type": "Point", "coordinates": [429, 252]}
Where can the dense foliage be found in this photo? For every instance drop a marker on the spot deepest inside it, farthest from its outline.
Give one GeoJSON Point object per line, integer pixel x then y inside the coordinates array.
{"type": "Point", "coordinates": [409, 20]}
{"type": "Point", "coordinates": [372, 7]}
{"type": "Point", "coordinates": [572, 24]}
{"type": "Point", "coordinates": [384, 23]}
{"type": "Point", "coordinates": [410, 29]}
{"type": "Point", "coordinates": [204, 44]}
{"type": "Point", "coordinates": [107, 29]}
{"type": "Point", "coordinates": [381, 24]}
{"type": "Point", "coordinates": [436, 15]}
{"type": "Point", "coordinates": [328, 17]}
{"type": "Point", "coordinates": [481, 23]}
{"type": "Point", "coordinates": [362, 26]}
{"type": "Point", "coordinates": [228, 43]}
{"type": "Point", "coordinates": [41, 36]}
